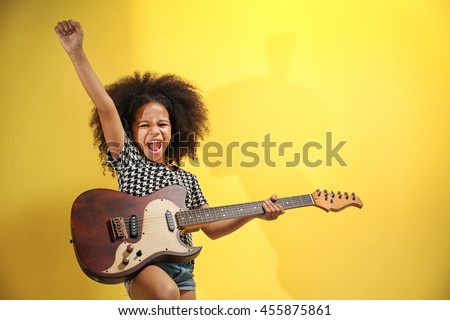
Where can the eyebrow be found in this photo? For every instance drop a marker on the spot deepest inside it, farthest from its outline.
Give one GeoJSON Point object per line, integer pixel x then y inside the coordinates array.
{"type": "Point", "coordinates": [160, 120]}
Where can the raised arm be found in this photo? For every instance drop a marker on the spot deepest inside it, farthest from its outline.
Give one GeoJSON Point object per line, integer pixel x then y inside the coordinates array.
{"type": "Point", "coordinates": [70, 34]}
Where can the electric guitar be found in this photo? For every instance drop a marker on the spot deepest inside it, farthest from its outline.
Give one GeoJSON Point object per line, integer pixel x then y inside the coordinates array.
{"type": "Point", "coordinates": [116, 235]}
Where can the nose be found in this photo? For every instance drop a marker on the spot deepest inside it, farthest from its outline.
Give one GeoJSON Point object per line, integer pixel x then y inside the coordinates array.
{"type": "Point", "coordinates": [153, 130]}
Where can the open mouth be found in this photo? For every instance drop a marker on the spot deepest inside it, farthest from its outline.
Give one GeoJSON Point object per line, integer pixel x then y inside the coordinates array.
{"type": "Point", "coordinates": [154, 145]}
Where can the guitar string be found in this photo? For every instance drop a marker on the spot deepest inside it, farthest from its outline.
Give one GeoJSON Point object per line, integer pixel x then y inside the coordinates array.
{"type": "Point", "coordinates": [205, 215]}
{"type": "Point", "coordinates": [230, 211]}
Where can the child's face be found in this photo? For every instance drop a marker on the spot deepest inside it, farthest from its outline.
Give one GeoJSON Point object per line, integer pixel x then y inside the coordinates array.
{"type": "Point", "coordinates": [152, 130]}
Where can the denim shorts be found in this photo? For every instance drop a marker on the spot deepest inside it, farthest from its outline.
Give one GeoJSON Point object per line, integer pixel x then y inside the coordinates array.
{"type": "Point", "coordinates": [182, 273]}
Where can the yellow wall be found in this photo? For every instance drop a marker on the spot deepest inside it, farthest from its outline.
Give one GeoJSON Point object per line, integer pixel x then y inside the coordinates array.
{"type": "Point", "coordinates": [373, 73]}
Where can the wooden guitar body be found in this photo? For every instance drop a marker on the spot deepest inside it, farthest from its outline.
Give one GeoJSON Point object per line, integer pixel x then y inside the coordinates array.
{"type": "Point", "coordinates": [106, 248]}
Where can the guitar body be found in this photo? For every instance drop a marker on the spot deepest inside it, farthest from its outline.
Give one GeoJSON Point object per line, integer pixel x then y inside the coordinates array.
{"type": "Point", "coordinates": [116, 235]}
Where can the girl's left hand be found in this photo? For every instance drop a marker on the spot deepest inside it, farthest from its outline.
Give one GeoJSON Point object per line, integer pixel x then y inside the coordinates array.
{"type": "Point", "coordinates": [272, 210]}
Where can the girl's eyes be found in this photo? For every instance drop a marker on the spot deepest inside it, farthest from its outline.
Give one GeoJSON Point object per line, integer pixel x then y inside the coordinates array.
{"type": "Point", "coordinates": [145, 125]}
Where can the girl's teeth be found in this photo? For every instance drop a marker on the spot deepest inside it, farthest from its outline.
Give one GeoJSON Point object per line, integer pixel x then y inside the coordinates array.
{"type": "Point", "coordinates": [154, 145]}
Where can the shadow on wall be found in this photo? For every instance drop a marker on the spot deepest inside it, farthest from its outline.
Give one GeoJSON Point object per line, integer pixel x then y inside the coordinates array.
{"type": "Point", "coordinates": [249, 111]}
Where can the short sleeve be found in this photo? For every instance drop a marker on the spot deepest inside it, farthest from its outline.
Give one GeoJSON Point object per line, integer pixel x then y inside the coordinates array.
{"type": "Point", "coordinates": [128, 156]}
{"type": "Point", "coordinates": [198, 198]}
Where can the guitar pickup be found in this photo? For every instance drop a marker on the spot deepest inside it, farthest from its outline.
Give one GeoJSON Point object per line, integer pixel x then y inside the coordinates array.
{"type": "Point", "coordinates": [133, 224]}
{"type": "Point", "coordinates": [118, 229]}
{"type": "Point", "coordinates": [170, 222]}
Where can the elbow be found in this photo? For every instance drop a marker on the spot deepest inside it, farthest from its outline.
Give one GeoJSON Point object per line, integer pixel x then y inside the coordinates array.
{"type": "Point", "coordinates": [105, 105]}
{"type": "Point", "coordinates": [214, 237]}
{"type": "Point", "coordinates": [211, 234]}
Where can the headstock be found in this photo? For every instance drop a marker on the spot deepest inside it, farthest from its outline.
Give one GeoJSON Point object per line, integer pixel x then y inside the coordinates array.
{"type": "Point", "coordinates": [330, 201]}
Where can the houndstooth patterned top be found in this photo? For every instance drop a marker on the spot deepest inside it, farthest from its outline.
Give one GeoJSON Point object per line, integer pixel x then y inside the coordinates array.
{"type": "Point", "coordinates": [139, 176]}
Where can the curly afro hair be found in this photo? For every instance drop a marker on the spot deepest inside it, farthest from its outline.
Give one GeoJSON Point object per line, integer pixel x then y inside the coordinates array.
{"type": "Point", "coordinates": [188, 114]}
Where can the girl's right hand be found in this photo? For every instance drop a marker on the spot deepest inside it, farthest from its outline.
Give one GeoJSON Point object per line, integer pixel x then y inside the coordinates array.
{"type": "Point", "coordinates": [70, 35]}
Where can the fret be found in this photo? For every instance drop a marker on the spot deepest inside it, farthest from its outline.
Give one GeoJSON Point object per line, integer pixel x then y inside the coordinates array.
{"type": "Point", "coordinates": [297, 201]}
{"type": "Point", "coordinates": [207, 215]}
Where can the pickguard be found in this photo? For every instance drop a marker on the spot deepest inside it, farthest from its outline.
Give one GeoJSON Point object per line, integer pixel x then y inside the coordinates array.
{"type": "Point", "coordinates": [158, 238]}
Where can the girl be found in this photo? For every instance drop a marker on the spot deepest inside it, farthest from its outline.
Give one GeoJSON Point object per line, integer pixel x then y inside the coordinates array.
{"type": "Point", "coordinates": [144, 125]}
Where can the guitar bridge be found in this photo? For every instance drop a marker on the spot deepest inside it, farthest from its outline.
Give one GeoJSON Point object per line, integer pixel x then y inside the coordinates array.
{"type": "Point", "coordinates": [118, 229]}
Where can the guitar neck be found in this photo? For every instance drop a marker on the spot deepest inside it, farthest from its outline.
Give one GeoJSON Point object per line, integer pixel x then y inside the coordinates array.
{"type": "Point", "coordinates": [194, 219]}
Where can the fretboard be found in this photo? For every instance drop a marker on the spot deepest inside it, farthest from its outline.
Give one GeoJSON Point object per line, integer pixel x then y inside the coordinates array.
{"type": "Point", "coordinates": [204, 216]}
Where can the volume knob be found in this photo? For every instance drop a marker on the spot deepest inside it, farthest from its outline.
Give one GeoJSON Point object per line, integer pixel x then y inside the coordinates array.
{"type": "Point", "coordinates": [130, 248]}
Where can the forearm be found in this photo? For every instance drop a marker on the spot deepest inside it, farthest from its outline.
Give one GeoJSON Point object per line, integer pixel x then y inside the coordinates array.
{"type": "Point", "coordinates": [91, 83]}
{"type": "Point", "coordinates": [222, 228]}
{"type": "Point", "coordinates": [219, 229]}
